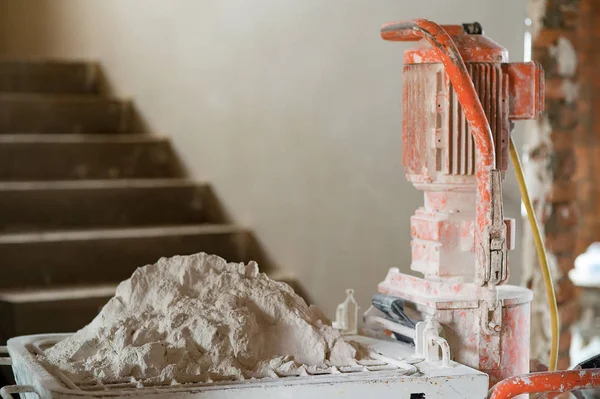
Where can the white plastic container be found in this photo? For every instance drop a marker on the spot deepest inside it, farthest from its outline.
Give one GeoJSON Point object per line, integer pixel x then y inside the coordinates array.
{"type": "Point", "coordinates": [392, 377]}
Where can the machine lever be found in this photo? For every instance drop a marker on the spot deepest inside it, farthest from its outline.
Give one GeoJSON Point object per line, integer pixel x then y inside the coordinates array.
{"type": "Point", "coordinates": [393, 308]}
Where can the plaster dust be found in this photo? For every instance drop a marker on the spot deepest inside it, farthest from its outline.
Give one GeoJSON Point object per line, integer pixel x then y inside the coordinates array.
{"type": "Point", "coordinates": [199, 318]}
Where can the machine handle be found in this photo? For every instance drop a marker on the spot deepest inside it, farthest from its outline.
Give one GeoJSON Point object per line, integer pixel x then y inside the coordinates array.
{"type": "Point", "coordinates": [488, 199]}
{"type": "Point", "coordinates": [552, 381]}
{"type": "Point", "coordinates": [4, 360]}
{"type": "Point", "coordinates": [7, 391]}
{"type": "Point", "coordinates": [390, 32]}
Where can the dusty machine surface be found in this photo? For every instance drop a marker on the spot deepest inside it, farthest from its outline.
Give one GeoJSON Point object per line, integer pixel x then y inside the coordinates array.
{"type": "Point", "coordinates": [391, 375]}
{"type": "Point", "coordinates": [457, 330]}
{"type": "Point", "coordinates": [456, 134]}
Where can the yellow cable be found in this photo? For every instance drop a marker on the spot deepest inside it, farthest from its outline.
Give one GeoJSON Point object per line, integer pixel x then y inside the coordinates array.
{"type": "Point", "coordinates": [541, 251]}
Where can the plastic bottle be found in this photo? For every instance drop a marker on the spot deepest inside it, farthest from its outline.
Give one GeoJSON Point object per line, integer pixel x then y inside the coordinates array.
{"type": "Point", "coordinates": [346, 315]}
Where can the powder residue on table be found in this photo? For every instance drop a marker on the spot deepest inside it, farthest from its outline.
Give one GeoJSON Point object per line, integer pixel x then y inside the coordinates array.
{"type": "Point", "coordinates": [199, 318]}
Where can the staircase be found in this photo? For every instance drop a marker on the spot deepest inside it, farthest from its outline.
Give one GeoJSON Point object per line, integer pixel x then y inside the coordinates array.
{"type": "Point", "coordinates": [84, 200]}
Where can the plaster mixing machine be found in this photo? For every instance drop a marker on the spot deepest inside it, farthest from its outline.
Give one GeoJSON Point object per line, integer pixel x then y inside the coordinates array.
{"type": "Point", "coordinates": [460, 96]}
{"type": "Point", "coordinates": [467, 330]}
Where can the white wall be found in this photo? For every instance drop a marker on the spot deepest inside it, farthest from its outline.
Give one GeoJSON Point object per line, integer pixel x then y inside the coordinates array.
{"type": "Point", "coordinates": [289, 108]}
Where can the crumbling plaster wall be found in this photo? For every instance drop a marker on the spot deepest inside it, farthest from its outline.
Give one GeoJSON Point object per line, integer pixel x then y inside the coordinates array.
{"type": "Point", "coordinates": [550, 166]}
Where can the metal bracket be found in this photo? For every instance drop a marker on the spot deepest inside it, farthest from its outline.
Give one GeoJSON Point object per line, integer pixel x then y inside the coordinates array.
{"type": "Point", "coordinates": [430, 345]}
{"type": "Point", "coordinates": [491, 318]}
{"type": "Point", "coordinates": [496, 270]}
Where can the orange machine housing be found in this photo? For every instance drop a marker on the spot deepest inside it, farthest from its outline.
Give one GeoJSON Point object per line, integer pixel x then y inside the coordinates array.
{"type": "Point", "coordinates": [460, 95]}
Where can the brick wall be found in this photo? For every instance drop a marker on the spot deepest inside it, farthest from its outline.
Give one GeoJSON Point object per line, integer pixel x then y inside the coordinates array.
{"type": "Point", "coordinates": [553, 154]}
{"type": "Point", "coordinates": [587, 138]}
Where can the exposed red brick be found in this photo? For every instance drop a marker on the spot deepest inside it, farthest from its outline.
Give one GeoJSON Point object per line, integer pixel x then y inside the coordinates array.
{"type": "Point", "coordinates": [561, 115]}
{"type": "Point", "coordinates": [554, 88]}
{"type": "Point", "coordinates": [584, 190]}
{"type": "Point", "coordinates": [584, 240]}
{"type": "Point", "coordinates": [567, 214]}
{"type": "Point", "coordinates": [565, 290]}
{"type": "Point", "coordinates": [562, 139]}
{"type": "Point", "coordinates": [562, 241]}
{"type": "Point", "coordinates": [568, 315]}
{"type": "Point", "coordinates": [566, 262]}
{"type": "Point", "coordinates": [582, 154]}
{"type": "Point", "coordinates": [565, 342]}
{"type": "Point", "coordinates": [564, 164]}
{"type": "Point", "coordinates": [548, 37]}
{"type": "Point", "coordinates": [570, 163]}
{"type": "Point", "coordinates": [563, 364]}
{"type": "Point", "coordinates": [548, 62]}
{"type": "Point", "coordinates": [570, 19]}
{"type": "Point", "coordinates": [558, 14]}
{"type": "Point", "coordinates": [563, 192]}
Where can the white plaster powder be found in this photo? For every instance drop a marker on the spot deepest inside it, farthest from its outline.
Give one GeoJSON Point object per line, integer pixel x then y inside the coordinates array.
{"type": "Point", "coordinates": [199, 318]}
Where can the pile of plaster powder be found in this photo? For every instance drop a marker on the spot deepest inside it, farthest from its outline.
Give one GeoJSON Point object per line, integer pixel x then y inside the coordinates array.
{"type": "Point", "coordinates": [199, 318]}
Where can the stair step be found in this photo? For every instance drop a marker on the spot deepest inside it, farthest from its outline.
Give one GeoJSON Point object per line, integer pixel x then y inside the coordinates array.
{"type": "Point", "coordinates": [49, 310]}
{"type": "Point", "coordinates": [102, 256]}
{"type": "Point", "coordinates": [63, 205]}
{"type": "Point", "coordinates": [45, 113]}
{"type": "Point", "coordinates": [58, 294]}
{"type": "Point", "coordinates": [85, 156]}
{"type": "Point", "coordinates": [47, 76]}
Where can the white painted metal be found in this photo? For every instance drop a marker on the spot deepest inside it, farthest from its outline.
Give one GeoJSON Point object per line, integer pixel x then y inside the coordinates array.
{"type": "Point", "coordinates": [402, 377]}
{"type": "Point", "coordinates": [429, 344]}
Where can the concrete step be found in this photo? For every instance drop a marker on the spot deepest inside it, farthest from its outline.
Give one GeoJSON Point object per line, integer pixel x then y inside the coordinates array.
{"type": "Point", "coordinates": [85, 156]}
{"type": "Point", "coordinates": [103, 256]}
{"type": "Point", "coordinates": [49, 310]}
{"type": "Point", "coordinates": [79, 204]}
{"type": "Point", "coordinates": [45, 113]}
{"type": "Point", "coordinates": [47, 76]}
